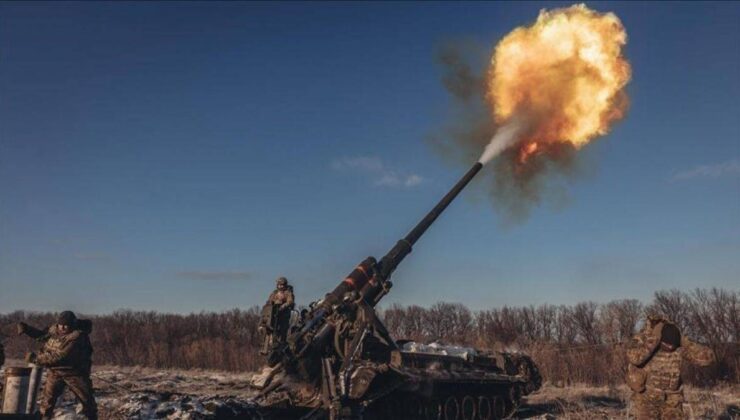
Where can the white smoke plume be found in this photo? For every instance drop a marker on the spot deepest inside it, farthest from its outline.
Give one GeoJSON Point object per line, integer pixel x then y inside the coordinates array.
{"type": "Point", "coordinates": [506, 136]}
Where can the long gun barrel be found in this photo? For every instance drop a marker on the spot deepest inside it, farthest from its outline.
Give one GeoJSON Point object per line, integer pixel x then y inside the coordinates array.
{"type": "Point", "coordinates": [369, 275]}
{"type": "Point", "coordinates": [391, 260]}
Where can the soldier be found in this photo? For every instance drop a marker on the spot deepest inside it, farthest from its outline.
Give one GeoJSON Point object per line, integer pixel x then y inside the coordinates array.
{"type": "Point", "coordinates": [655, 357]}
{"type": "Point", "coordinates": [276, 314]}
{"type": "Point", "coordinates": [67, 353]}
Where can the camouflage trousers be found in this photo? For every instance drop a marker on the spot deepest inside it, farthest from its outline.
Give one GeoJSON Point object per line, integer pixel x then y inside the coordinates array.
{"type": "Point", "coordinates": [81, 387]}
{"type": "Point", "coordinates": [655, 404]}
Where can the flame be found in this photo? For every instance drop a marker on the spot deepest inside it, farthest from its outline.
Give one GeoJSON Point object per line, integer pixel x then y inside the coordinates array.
{"type": "Point", "coordinates": [565, 72]}
{"type": "Point", "coordinates": [526, 151]}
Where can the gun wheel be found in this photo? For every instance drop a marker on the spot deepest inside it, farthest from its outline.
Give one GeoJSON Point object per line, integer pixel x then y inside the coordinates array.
{"type": "Point", "coordinates": [433, 410]}
{"type": "Point", "coordinates": [498, 407]}
{"type": "Point", "coordinates": [485, 411]}
{"type": "Point", "coordinates": [468, 408]}
{"type": "Point", "coordinates": [451, 409]}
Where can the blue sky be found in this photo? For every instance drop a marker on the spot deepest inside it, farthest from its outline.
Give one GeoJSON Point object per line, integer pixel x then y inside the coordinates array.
{"type": "Point", "coordinates": [181, 156]}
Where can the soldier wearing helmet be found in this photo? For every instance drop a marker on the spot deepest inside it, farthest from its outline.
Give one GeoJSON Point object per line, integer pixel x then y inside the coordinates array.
{"type": "Point", "coordinates": [67, 353]}
{"type": "Point", "coordinates": [655, 357]}
{"type": "Point", "coordinates": [276, 314]}
{"type": "Point", "coordinates": [282, 295]}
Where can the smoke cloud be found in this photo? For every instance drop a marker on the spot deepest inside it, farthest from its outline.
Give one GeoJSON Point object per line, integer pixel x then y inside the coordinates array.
{"type": "Point", "coordinates": [472, 134]}
{"type": "Point", "coordinates": [546, 91]}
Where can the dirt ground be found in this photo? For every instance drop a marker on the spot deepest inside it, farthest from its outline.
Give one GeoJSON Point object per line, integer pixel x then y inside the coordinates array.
{"type": "Point", "coordinates": [584, 402]}
{"type": "Point", "coordinates": [145, 393]}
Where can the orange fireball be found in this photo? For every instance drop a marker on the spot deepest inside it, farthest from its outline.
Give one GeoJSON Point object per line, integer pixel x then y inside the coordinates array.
{"type": "Point", "coordinates": [565, 73]}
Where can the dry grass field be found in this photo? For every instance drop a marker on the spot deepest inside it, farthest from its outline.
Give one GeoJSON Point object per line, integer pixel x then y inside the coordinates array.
{"type": "Point", "coordinates": [588, 402]}
{"type": "Point", "coordinates": [148, 393]}
{"type": "Point", "coordinates": [159, 365]}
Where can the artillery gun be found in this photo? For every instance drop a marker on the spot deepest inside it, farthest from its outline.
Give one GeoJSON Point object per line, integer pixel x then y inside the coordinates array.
{"type": "Point", "coordinates": [340, 363]}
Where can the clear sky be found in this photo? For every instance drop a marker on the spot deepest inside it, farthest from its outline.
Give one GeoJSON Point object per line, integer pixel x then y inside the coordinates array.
{"type": "Point", "coordinates": [181, 156]}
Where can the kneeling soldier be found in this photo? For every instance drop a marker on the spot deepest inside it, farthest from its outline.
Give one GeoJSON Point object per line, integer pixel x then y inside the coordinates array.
{"type": "Point", "coordinates": [67, 354]}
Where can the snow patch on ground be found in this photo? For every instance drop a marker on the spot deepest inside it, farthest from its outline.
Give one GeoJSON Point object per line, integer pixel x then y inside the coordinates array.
{"type": "Point", "coordinates": [143, 393]}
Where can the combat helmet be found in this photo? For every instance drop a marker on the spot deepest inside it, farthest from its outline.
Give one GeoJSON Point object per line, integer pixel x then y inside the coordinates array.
{"type": "Point", "coordinates": [67, 318]}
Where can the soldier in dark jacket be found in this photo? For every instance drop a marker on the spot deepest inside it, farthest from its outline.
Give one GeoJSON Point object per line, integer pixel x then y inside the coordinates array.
{"type": "Point", "coordinates": [655, 357]}
{"type": "Point", "coordinates": [67, 354]}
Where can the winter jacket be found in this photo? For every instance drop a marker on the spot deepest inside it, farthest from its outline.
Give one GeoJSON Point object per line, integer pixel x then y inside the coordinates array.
{"type": "Point", "coordinates": [65, 354]}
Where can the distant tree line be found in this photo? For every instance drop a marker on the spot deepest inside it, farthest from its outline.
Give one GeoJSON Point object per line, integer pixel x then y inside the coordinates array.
{"type": "Point", "coordinates": [208, 340]}
{"type": "Point", "coordinates": [581, 343]}
{"type": "Point", "coordinates": [585, 342]}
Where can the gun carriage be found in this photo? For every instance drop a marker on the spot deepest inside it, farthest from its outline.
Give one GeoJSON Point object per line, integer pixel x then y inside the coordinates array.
{"type": "Point", "coordinates": [340, 362]}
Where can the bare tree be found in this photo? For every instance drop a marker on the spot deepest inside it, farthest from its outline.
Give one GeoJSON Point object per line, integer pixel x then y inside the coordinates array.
{"type": "Point", "coordinates": [618, 320]}
{"type": "Point", "coordinates": [672, 305]}
{"type": "Point", "coordinates": [565, 330]}
{"type": "Point", "coordinates": [449, 322]}
{"type": "Point", "coordinates": [546, 318]}
{"type": "Point", "coordinates": [553, 335]}
{"type": "Point", "coordinates": [584, 320]}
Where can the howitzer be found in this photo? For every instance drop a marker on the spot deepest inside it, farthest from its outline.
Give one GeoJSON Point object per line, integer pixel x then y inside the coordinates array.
{"type": "Point", "coordinates": [340, 360]}
{"type": "Point", "coordinates": [370, 278]}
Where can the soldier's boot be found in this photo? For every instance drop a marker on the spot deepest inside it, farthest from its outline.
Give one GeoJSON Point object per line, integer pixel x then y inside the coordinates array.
{"type": "Point", "coordinates": [82, 387]}
{"type": "Point", "coordinates": [53, 389]}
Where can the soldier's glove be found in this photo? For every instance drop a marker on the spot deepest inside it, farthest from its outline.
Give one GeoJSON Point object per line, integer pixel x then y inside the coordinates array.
{"type": "Point", "coordinates": [30, 357]}
{"type": "Point", "coordinates": [653, 338]}
{"type": "Point", "coordinates": [21, 327]}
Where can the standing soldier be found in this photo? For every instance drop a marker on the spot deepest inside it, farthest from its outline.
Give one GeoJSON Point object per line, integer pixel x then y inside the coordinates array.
{"type": "Point", "coordinates": [655, 357]}
{"type": "Point", "coordinates": [67, 353]}
{"type": "Point", "coordinates": [276, 314]}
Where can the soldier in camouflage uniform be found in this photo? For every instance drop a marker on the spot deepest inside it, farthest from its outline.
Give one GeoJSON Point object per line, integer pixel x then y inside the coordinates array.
{"type": "Point", "coordinates": [67, 354]}
{"type": "Point", "coordinates": [281, 300]}
{"type": "Point", "coordinates": [655, 357]}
